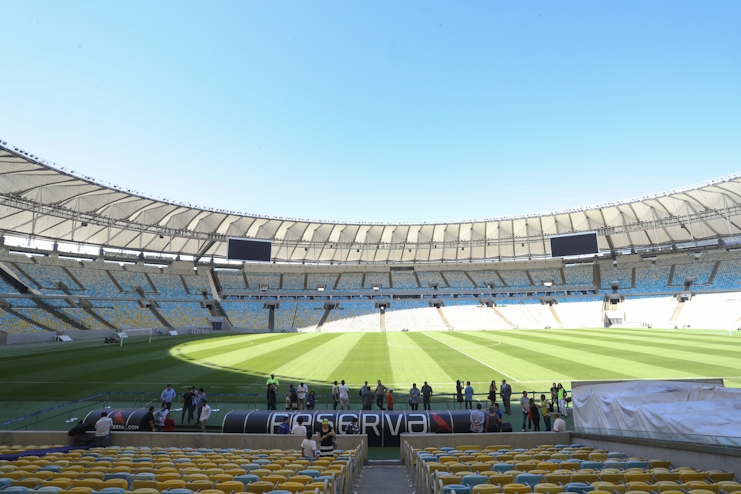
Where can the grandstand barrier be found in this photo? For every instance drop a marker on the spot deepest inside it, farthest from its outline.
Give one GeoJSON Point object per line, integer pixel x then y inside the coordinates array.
{"type": "Point", "coordinates": [184, 440]}
{"type": "Point", "coordinates": [50, 336]}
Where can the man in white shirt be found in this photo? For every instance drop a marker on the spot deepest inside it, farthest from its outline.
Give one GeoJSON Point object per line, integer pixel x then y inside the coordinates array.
{"type": "Point", "coordinates": [159, 418]}
{"type": "Point", "coordinates": [168, 396]}
{"type": "Point", "coordinates": [525, 405]}
{"type": "Point", "coordinates": [205, 414]}
{"type": "Point", "coordinates": [559, 425]}
{"type": "Point", "coordinates": [299, 428]}
{"type": "Point", "coordinates": [477, 419]}
{"type": "Point", "coordinates": [308, 446]}
{"type": "Point", "coordinates": [302, 391]}
{"type": "Point", "coordinates": [103, 431]}
{"type": "Point", "coordinates": [344, 396]}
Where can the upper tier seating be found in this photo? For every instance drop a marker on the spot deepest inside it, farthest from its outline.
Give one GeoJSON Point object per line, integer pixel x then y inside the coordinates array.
{"type": "Point", "coordinates": [321, 279]}
{"type": "Point", "coordinates": [484, 278]}
{"type": "Point", "coordinates": [184, 314]}
{"type": "Point", "coordinates": [169, 285]}
{"type": "Point", "coordinates": [700, 271]}
{"type": "Point", "coordinates": [373, 278]}
{"type": "Point", "coordinates": [350, 281]}
{"type": "Point", "coordinates": [127, 280]}
{"type": "Point", "coordinates": [458, 279]}
{"type": "Point", "coordinates": [293, 281]}
{"type": "Point", "coordinates": [728, 276]}
{"type": "Point", "coordinates": [404, 280]}
{"type": "Point", "coordinates": [579, 275]}
{"type": "Point", "coordinates": [126, 315]}
{"type": "Point", "coordinates": [546, 274]}
{"type": "Point", "coordinates": [515, 277]}
{"type": "Point", "coordinates": [231, 280]}
{"type": "Point", "coordinates": [257, 280]}
{"type": "Point", "coordinates": [97, 282]}
{"type": "Point", "coordinates": [427, 278]}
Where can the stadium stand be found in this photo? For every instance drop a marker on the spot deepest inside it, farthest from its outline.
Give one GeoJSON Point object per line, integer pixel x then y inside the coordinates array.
{"type": "Point", "coordinates": [728, 276]}
{"type": "Point", "coordinates": [179, 471]}
{"type": "Point", "coordinates": [126, 315]}
{"type": "Point", "coordinates": [483, 278]}
{"type": "Point", "coordinates": [458, 279]}
{"type": "Point", "coordinates": [711, 311]}
{"type": "Point", "coordinates": [231, 280]}
{"type": "Point", "coordinates": [293, 281]}
{"type": "Point", "coordinates": [429, 278]}
{"type": "Point", "coordinates": [579, 275]}
{"type": "Point", "coordinates": [308, 315]}
{"type": "Point", "coordinates": [285, 315]}
{"type": "Point", "coordinates": [404, 280]}
{"type": "Point", "coordinates": [515, 277]}
{"type": "Point", "coordinates": [699, 271]}
{"type": "Point", "coordinates": [551, 469]}
{"type": "Point", "coordinates": [246, 314]}
{"type": "Point", "coordinates": [622, 275]}
{"type": "Point", "coordinates": [321, 279]}
{"type": "Point", "coordinates": [373, 278]}
{"type": "Point", "coordinates": [198, 283]}
{"type": "Point", "coordinates": [96, 280]}
{"type": "Point", "coordinates": [12, 324]}
{"type": "Point", "coordinates": [581, 313]}
{"type": "Point", "coordinates": [184, 314]}
{"type": "Point", "coordinates": [413, 315]}
{"type": "Point", "coordinates": [353, 316]}
{"type": "Point", "coordinates": [129, 280]}
{"type": "Point", "coordinates": [470, 314]}
{"type": "Point", "coordinates": [45, 319]}
{"type": "Point", "coordinates": [168, 285]}
{"type": "Point", "coordinates": [257, 280]}
{"type": "Point", "coordinates": [350, 282]}
{"type": "Point", "coordinates": [546, 274]}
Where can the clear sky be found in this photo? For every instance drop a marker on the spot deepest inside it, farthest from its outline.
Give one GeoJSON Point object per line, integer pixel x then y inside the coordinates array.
{"type": "Point", "coordinates": [378, 111]}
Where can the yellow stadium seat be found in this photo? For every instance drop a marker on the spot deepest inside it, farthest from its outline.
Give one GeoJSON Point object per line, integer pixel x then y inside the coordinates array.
{"type": "Point", "coordinates": [260, 472]}
{"type": "Point", "coordinates": [91, 483]}
{"type": "Point", "coordinates": [294, 487]}
{"type": "Point", "coordinates": [120, 483]}
{"type": "Point", "coordinates": [720, 476]}
{"type": "Point", "coordinates": [690, 476]}
{"type": "Point", "coordinates": [502, 479]}
{"type": "Point", "coordinates": [548, 488]}
{"type": "Point", "coordinates": [274, 479]}
{"type": "Point", "coordinates": [61, 483]}
{"type": "Point", "coordinates": [637, 477]}
{"type": "Point", "coordinates": [78, 490]}
{"type": "Point", "coordinates": [486, 489]}
{"type": "Point", "coordinates": [516, 489]}
{"type": "Point", "coordinates": [28, 482]}
{"type": "Point", "coordinates": [144, 484]}
{"type": "Point", "coordinates": [302, 479]}
{"type": "Point", "coordinates": [259, 487]}
{"type": "Point", "coordinates": [170, 484]}
{"type": "Point", "coordinates": [229, 487]}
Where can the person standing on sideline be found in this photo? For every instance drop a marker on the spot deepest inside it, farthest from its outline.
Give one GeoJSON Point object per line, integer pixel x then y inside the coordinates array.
{"type": "Point", "coordinates": [368, 399]}
{"type": "Point", "coordinates": [554, 394]}
{"type": "Point", "coordinates": [205, 414]}
{"type": "Point", "coordinates": [303, 390]}
{"type": "Point", "coordinates": [159, 418]}
{"type": "Point", "coordinates": [390, 399]}
{"type": "Point", "coordinates": [559, 425]}
{"type": "Point", "coordinates": [492, 393]}
{"type": "Point", "coordinates": [167, 396]}
{"type": "Point", "coordinates": [525, 405]}
{"type": "Point", "coordinates": [199, 397]}
{"type": "Point", "coordinates": [414, 397]}
{"type": "Point", "coordinates": [344, 396]}
{"type": "Point", "coordinates": [426, 395]}
{"type": "Point", "coordinates": [310, 400]}
{"type": "Point", "coordinates": [494, 420]}
{"type": "Point", "coordinates": [545, 411]}
{"type": "Point", "coordinates": [147, 421]}
{"type": "Point", "coordinates": [335, 395]}
{"type": "Point", "coordinates": [534, 416]}
{"type": "Point", "coordinates": [272, 380]}
{"type": "Point", "coordinates": [188, 404]}
{"type": "Point", "coordinates": [469, 396]}
{"type": "Point", "coordinates": [352, 427]}
{"type": "Point", "coordinates": [459, 394]}
{"type": "Point", "coordinates": [477, 419]}
{"type": "Point", "coordinates": [169, 423]}
{"type": "Point", "coordinates": [506, 394]}
{"type": "Point", "coordinates": [562, 400]}
{"type": "Point", "coordinates": [294, 397]}
{"type": "Point", "coordinates": [272, 399]}
{"type": "Point", "coordinates": [380, 391]}
{"type": "Point", "coordinates": [103, 431]}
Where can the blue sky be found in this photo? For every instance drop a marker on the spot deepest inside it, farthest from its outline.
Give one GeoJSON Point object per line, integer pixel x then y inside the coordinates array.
{"type": "Point", "coordinates": [378, 111]}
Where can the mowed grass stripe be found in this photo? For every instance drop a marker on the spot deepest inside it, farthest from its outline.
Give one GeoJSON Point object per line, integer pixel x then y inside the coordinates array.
{"type": "Point", "coordinates": [554, 363]}
{"type": "Point", "coordinates": [720, 345]}
{"type": "Point", "coordinates": [576, 353]}
{"type": "Point", "coordinates": [317, 362]}
{"type": "Point", "coordinates": [633, 355]}
{"type": "Point", "coordinates": [235, 353]}
{"type": "Point", "coordinates": [412, 364]}
{"type": "Point", "coordinates": [368, 360]}
{"type": "Point", "coordinates": [455, 364]}
{"type": "Point", "coordinates": [726, 354]}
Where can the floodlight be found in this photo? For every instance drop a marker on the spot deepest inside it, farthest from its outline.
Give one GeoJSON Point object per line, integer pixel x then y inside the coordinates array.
{"type": "Point", "coordinates": [320, 289]}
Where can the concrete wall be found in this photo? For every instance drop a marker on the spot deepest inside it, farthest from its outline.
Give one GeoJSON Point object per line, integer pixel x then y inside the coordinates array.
{"type": "Point", "coordinates": [513, 439]}
{"type": "Point", "coordinates": [680, 454]}
{"type": "Point", "coordinates": [182, 440]}
{"type": "Point", "coordinates": [35, 337]}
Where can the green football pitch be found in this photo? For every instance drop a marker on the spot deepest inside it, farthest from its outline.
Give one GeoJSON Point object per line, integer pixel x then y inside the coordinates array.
{"type": "Point", "coordinates": [33, 376]}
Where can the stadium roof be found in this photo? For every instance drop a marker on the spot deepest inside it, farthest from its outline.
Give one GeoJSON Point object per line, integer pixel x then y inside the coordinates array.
{"type": "Point", "coordinates": [43, 200]}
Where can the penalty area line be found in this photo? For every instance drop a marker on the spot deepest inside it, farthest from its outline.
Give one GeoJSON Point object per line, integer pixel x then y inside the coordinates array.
{"type": "Point", "coordinates": [472, 358]}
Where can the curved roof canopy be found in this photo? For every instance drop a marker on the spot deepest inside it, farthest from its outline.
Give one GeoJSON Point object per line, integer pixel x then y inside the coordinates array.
{"type": "Point", "coordinates": [43, 200]}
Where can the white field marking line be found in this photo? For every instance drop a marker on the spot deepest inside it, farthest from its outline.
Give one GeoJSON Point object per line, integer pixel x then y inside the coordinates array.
{"type": "Point", "coordinates": [470, 346]}
{"type": "Point", "coordinates": [472, 358]}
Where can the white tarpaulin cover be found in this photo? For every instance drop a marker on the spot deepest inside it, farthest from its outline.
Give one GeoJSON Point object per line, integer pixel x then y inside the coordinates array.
{"type": "Point", "coordinates": [660, 407]}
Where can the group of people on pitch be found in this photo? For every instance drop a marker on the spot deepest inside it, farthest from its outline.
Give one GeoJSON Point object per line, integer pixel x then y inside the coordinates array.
{"type": "Point", "coordinates": [192, 400]}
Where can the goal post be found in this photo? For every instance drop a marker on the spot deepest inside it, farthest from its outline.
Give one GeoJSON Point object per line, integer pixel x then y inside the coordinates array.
{"type": "Point", "coordinates": [138, 333]}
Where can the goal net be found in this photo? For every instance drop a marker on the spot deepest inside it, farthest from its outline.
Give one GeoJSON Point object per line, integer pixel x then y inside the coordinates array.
{"type": "Point", "coordinates": [138, 334]}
